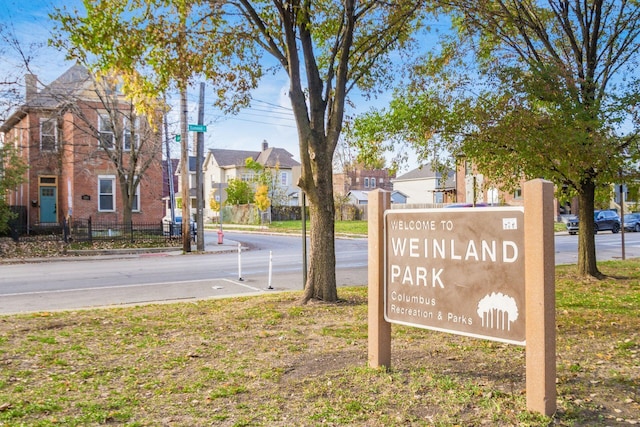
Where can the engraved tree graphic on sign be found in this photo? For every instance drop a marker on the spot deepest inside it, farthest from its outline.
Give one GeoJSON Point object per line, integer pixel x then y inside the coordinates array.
{"type": "Point", "coordinates": [498, 311]}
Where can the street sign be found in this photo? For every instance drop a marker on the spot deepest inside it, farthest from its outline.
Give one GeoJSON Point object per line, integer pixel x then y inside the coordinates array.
{"type": "Point", "coordinates": [197, 128]}
{"type": "Point", "coordinates": [177, 138]}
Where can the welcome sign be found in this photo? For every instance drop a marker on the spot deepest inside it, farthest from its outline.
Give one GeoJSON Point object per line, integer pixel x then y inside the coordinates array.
{"type": "Point", "coordinates": [456, 270]}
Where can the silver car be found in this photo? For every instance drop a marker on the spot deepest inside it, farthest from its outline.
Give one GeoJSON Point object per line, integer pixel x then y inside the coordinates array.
{"type": "Point", "coordinates": [632, 222]}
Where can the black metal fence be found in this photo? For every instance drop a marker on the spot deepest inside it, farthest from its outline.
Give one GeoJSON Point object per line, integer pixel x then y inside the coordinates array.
{"type": "Point", "coordinates": [90, 230]}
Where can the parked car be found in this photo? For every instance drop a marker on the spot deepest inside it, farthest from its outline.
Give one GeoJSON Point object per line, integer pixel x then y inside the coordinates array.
{"type": "Point", "coordinates": [603, 220]}
{"type": "Point", "coordinates": [632, 222]}
{"type": "Point", "coordinates": [572, 224]}
{"type": "Point", "coordinates": [175, 229]}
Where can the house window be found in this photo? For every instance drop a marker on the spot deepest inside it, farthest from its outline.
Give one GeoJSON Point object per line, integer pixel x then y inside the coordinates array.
{"type": "Point", "coordinates": [106, 193]}
{"type": "Point", "coordinates": [246, 177]}
{"type": "Point", "coordinates": [48, 134]}
{"type": "Point", "coordinates": [517, 194]}
{"type": "Point", "coordinates": [284, 179]}
{"type": "Point", "coordinates": [128, 137]}
{"type": "Point", "coordinates": [366, 183]}
{"type": "Point", "coordinates": [105, 128]}
{"type": "Point", "coordinates": [373, 183]}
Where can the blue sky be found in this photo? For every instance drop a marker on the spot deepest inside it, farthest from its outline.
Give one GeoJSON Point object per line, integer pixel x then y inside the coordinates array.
{"type": "Point", "coordinates": [269, 117]}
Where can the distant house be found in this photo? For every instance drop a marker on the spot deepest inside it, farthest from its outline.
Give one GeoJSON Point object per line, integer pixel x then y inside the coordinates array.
{"type": "Point", "coordinates": [472, 185]}
{"type": "Point", "coordinates": [426, 186]}
{"type": "Point", "coordinates": [169, 179]}
{"type": "Point", "coordinates": [398, 197]}
{"type": "Point", "coordinates": [360, 178]}
{"type": "Point", "coordinates": [178, 189]}
{"type": "Point", "coordinates": [221, 165]}
{"type": "Point", "coordinates": [357, 197]}
{"type": "Point", "coordinates": [166, 177]}
{"type": "Point", "coordinates": [72, 141]}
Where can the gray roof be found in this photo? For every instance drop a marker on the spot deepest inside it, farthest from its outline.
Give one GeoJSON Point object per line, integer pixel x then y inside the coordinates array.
{"type": "Point", "coordinates": [419, 173]}
{"type": "Point", "coordinates": [271, 157]}
{"type": "Point", "coordinates": [426, 172]}
{"type": "Point", "coordinates": [359, 195]}
{"type": "Point", "coordinates": [227, 158]}
{"type": "Point", "coordinates": [53, 96]}
{"type": "Point", "coordinates": [75, 78]}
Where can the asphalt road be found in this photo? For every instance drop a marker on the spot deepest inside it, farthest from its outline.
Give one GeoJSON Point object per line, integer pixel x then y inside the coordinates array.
{"type": "Point", "coordinates": [114, 281]}
{"type": "Point", "coordinates": [74, 283]}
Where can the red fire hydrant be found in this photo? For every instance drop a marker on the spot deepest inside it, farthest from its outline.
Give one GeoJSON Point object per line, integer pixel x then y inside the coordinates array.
{"type": "Point", "coordinates": [220, 236]}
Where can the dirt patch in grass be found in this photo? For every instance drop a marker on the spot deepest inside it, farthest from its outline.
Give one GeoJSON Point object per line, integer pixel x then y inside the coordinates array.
{"type": "Point", "coordinates": [267, 361]}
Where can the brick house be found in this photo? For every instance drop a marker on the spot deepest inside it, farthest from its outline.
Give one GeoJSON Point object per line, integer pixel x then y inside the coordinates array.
{"type": "Point", "coordinates": [72, 141]}
{"type": "Point", "coordinates": [359, 178]}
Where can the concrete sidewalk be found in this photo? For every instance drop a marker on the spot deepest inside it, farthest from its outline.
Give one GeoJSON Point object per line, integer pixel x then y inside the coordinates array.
{"type": "Point", "coordinates": [211, 246]}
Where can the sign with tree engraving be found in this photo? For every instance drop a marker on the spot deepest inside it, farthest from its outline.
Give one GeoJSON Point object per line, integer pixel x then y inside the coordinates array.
{"type": "Point", "coordinates": [456, 270]}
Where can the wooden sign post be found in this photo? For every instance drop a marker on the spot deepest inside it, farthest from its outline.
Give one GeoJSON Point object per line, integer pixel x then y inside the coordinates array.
{"type": "Point", "coordinates": [540, 273]}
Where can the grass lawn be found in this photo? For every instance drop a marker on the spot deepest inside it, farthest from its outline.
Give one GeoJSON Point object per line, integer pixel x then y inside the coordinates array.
{"type": "Point", "coordinates": [267, 361]}
{"type": "Point", "coordinates": [344, 227]}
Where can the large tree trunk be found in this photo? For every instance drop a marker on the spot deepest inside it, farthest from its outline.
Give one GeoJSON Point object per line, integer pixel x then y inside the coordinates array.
{"type": "Point", "coordinates": [126, 204]}
{"type": "Point", "coordinates": [321, 277]}
{"type": "Point", "coordinates": [587, 265]}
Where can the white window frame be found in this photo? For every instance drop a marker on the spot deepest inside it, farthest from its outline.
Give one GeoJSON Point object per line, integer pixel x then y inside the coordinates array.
{"type": "Point", "coordinates": [47, 146]}
{"type": "Point", "coordinates": [284, 179]}
{"type": "Point", "coordinates": [106, 132]}
{"type": "Point", "coordinates": [372, 182]}
{"type": "Point", "coordinates": [517, 194]}
{"type": "Point", "coordinates": [111, 178]}
{"type": "Point", "coordinates": [366, 182]}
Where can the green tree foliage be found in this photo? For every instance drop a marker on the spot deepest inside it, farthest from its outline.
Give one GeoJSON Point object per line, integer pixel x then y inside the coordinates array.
{"type": "Point", "coordinates": [213, 203]}
{"type": "Point", "coordinates": [12, 170]}
{"type": "Point", "coordinates": [157, 45]}
{"type": "Point", "coordinates": [553, 93]}
{"type": "Point", "coordinates": [239, 192]}
{"type": "Point", "coordinates": [326, 47]}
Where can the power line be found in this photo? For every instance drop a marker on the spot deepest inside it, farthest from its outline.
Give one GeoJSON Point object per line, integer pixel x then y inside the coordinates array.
{"type": "Point", "coordinates": [256, 121]}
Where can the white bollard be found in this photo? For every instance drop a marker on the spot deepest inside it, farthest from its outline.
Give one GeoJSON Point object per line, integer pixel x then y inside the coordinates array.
{"type": "Point", "coordinates": [270, 264]}
{"type": "Point", "coordinates": [240, 262]}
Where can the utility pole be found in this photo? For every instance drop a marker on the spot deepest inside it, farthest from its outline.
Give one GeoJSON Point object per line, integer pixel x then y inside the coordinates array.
{"type": "Point", "coordinates": [186, 202]}
{"type": "Point", "coordinates": [199, 177]}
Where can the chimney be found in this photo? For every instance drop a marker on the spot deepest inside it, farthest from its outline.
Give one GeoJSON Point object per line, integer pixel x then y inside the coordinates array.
{"type": "Point", "coordinates": [31, 84]}
{"type": "Point", "coordinates": [265, 145]}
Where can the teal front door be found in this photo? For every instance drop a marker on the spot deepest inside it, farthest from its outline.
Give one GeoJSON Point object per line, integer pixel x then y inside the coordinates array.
{"type": "Point", "coordinates": [48, 204]}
